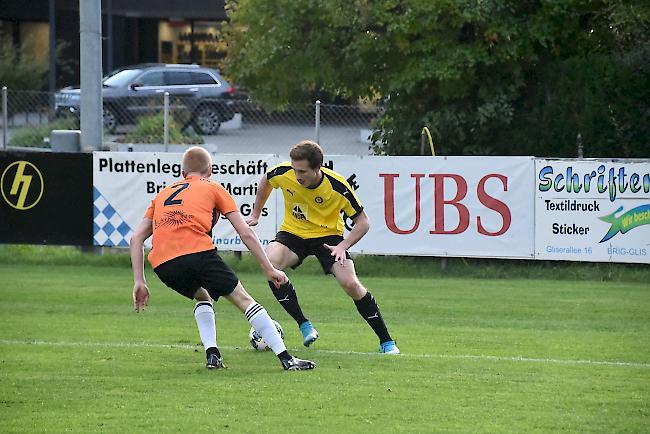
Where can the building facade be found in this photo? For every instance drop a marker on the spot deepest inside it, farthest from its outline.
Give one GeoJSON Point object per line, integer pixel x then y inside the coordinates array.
{"type": "Point", "coordinates": [168, 31]}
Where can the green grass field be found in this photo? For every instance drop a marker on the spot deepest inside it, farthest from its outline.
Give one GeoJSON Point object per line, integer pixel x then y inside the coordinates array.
{"type": "Point", "coordinates": [480, 355]}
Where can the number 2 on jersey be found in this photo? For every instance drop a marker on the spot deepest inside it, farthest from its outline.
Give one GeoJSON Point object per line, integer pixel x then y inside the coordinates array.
{"type": "Point", "coordinates": [170, 200]}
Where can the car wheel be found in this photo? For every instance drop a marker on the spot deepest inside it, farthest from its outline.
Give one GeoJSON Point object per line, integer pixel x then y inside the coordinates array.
{"type": "Point", "coordinates": [110, 120]}
{"type": "Point", "coordinates": [206, 121]}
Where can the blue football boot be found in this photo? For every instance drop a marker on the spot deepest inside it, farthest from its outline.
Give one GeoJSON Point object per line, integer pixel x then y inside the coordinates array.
{"type": "Point", "coordinates": [309, 333]}
{"type": "Point", "coordinates": [388, 347]}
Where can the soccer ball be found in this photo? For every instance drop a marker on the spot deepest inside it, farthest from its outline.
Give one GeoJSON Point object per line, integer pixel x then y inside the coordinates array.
{"type": "Point", "coordinates": [256, 340]}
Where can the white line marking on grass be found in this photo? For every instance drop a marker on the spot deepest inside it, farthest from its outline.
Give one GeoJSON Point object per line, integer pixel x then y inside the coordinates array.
{"type": "Point", "coordinates": [345, 353]}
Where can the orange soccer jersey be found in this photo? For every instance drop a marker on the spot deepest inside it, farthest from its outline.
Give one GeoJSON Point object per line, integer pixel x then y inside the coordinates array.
{"type": "Point", "coordinates": [183, 215]}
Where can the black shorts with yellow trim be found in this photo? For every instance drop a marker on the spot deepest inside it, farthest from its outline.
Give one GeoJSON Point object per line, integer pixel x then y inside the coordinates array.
{"type": "Point", "coordinates": [304, 247]}
{"type": "Point", "coordinates": [186, 274]}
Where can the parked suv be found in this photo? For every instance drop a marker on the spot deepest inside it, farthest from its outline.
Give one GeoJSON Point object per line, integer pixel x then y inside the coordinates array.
{"type": "Point", "coordinates": [198, 96]}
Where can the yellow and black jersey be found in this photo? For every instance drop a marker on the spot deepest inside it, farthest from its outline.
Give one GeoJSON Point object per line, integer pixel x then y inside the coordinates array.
{"type": "Point", "coordinates": [314, 212]}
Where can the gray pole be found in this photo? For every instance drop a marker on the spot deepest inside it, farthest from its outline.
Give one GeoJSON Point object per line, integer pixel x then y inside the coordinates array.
{"type": "Point", "coordinates": [579, 145]}
{"type": "Point", "coordinates": [422, 142]}
{"type": "Point", "coordinates": [318, 121]}
{"type": "Point", "coordinates": [90, 38]}
{"type": "Point", "coordinates": [166, 121]}
{"type": "Point", "coordinates": [109, 35]}
{"type": "Point", "coordinates": [52, 37]}
{"type": "Point", "coordinates": [5, 124]}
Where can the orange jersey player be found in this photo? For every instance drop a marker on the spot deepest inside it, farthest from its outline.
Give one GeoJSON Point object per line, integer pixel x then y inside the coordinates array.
{"type": "Point", "coordinates": [181, 218]}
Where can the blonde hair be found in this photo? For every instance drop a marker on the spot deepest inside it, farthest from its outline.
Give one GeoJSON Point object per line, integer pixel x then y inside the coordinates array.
{"type": "Point", "coordinates": [197, 160]}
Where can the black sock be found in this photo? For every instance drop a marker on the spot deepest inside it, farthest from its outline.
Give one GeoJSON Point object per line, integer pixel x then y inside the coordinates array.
{"type": "Point", "coordinates": [212, 350]}
{"type": "Point", "coordinates": [287, 297]}
{"type": "Point", "coordinates": [369, 310]}
{"type": "Point", "coordinates": [284, 355]}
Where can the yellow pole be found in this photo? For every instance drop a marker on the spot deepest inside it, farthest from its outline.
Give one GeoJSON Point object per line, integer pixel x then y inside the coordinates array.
{"type": "Point", "coordinates": [426, 131]}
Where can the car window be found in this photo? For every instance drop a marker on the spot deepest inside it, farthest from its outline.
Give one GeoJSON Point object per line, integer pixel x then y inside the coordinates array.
{"type": "Point", "coordinates": [178, 78]}
{"type": "Point", "coordinates": [121, 78]}
{"type": "Point", "coordinates": [154, 78]}
{"type": "Point", "coordinates": [202, 78]}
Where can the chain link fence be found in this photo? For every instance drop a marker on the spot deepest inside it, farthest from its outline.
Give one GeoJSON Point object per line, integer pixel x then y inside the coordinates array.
{"type": "Point", "coordinates": [228, 125]}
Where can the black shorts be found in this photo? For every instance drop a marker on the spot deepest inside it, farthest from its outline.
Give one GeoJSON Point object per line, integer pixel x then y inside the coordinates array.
{"type": "Point", "coordinates": [304, 247]}
{"type": "Point", "coordinates": [187, 273]}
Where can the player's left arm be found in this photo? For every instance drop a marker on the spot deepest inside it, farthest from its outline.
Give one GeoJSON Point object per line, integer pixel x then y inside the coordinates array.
{"type": "Point", "coordinates": [264, 190]}
{"type": "Point", "coordinates": [252, 241]}
{"type": "Point", "coordinates": [360, 228]}
{"type": "Point", "coordinates": [136, 247]}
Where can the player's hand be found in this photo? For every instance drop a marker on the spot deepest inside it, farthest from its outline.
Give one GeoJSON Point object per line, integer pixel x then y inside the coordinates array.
{"type": "Point", "coordinates": [277, 277]}
{"type": "Point", "coordinates": [252, 221]}
{"type": "Point", "coordinates": [140, 296]}
{"type": "Point", "coordinates": [338, 252]}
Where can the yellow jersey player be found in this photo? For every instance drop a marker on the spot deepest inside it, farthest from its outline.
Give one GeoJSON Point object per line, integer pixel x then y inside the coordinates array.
{"type": "Point", "coordinates": [314, 198]}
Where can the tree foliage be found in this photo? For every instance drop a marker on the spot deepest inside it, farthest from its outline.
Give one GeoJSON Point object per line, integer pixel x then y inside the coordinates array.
{"type": "Point", "coordinates": [19, 70]}
{"type": "Point", "coordinates": [509, 77]}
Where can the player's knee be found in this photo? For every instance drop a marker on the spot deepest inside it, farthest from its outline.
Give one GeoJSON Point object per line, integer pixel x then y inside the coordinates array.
{"type": "Point", "coordinates": [353, 288]}
{"type": "Point", "coordinates": [274, 253]}
{"type": "Point", "coordinates": [202, 295]}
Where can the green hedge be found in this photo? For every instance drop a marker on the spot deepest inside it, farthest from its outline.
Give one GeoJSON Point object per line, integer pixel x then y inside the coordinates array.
{"type": "Point", "coordinates": [150, 129]}
{"type": "Point", "coordinates": [33, 135]}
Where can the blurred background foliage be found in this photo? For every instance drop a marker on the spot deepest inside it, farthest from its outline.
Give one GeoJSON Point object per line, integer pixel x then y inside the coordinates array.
{"type": "Point", "coordinates": [493, 77]}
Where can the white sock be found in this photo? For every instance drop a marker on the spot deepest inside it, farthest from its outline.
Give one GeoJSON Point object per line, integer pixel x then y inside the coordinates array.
{"type": "Point", "coordinates": [204, 314]}
{"type": "Point", "coordinates": [263, 324]}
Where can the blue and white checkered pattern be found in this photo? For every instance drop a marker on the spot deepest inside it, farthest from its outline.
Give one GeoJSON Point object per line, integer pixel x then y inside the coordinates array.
{"type": "Point", "coordinates": [109, 228]}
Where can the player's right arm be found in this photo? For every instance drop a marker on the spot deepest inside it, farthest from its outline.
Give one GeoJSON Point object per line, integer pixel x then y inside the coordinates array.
{"type": "Point", "coordinates": [136, 247]}
{"type": "Point", "coordinates": [264, 190]}
{"type": "Point", "coordinates": [252, 241]}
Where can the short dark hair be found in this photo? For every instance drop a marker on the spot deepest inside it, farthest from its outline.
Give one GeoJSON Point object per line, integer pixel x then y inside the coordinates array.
{"type": "Point", "coordinates": [308, 150]}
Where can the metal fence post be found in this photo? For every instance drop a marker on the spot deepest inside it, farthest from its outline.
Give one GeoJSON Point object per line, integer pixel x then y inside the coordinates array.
{"type": "Point", "coordinates": [422, 142]}
{"type": "Point", "coordinates": [318, 121]}
{"type": "Point", "coordinates": [5, 124]}
{"type": "Point", "coordinates": [166, 121]}
{"type": "Point", "coordinates": [579, 145]}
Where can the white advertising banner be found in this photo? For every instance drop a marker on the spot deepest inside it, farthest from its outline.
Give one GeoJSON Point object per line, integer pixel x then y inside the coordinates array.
{"type": "Point", "coordinates": [455, 206]}
{"type": "Point", "coordinates": [593, 210]}
{"type": "Point", "coordinates": [126, 182]}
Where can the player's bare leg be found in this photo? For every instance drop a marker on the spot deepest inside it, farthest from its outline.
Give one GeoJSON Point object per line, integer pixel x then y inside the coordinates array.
{"type": "Point", "coordinates": [366, 305]}
{"type": "Point", "coordinates": [282, 258]}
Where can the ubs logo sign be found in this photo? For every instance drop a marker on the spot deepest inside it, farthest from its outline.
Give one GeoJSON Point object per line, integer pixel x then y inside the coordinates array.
{"type": "Point", "coordinates": [22, 185]}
